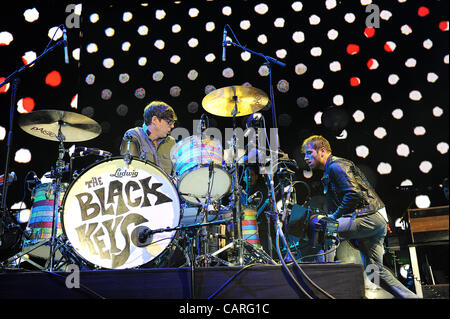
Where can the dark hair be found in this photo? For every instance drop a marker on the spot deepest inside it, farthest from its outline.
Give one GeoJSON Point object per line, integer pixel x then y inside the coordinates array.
{"type": "Point", "coordinates": [316, 142]}
{"type": "Point", "coordinates": [159, 109]}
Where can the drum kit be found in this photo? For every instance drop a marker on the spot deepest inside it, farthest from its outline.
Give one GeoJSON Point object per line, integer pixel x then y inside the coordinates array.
{"type": "Point", "coordinates": [126, 212]}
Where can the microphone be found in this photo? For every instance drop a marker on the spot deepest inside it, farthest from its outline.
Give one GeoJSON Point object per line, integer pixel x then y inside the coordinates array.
{"type": "Point", "coordinates": [224, 44]}
{"type": "Point", "coordinates": [12, 177]}
{"type": "Point", "coordinates": [35, 179]}
{"type": "Point", "coordinates": [83, 151]}
{"type": "Point", "coordinates": [66, 53]}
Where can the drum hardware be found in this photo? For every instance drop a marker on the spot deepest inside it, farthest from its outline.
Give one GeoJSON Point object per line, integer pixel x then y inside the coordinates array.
{"type": "Point", "coordinates": [14, 79]}
{"type": "Point", "coordinates": [60, 126]}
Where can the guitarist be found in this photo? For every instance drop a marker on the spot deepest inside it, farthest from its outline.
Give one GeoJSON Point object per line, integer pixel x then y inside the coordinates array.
{"type": "Point", "coordinates": [355, 204]}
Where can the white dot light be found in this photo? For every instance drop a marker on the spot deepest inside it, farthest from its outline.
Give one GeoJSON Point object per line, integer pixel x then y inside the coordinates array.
{"type": "Point", "coordinates": [427, 44]}
{"type": "Point", "coordinates": [393, 79]}
{"type": "Point", "coordinates": [415, 95]}
{"type": "Point", "coordinates": [384, 168]}
{"type": "Point", "coordinates": [380, 132]}
{"type": "Point", "coordinates": [316, 51]}
{"type": "Point", "coordinates": [176, 28]}
{"type": "Point", "coordinates": [332, 34]}
{"type": "Point", "coordinates": [94, 17]}
{"type": "Point", "coordinates": [376, 97]}
{"type": "Point", "coordinates": [142, 61]}
{"type": "Point", "coordinates": [193, 42]}
{"type": "Point", "coordinates": [406, 29]}
{"type": "Point", "coordinates": [143, 30]}
{"type": "Point", "coordinates": [338, 99]}
{"type": "Point", "coordinates": [330, 4]}
{"type": "Point", "coordinates": [318, 118]}
{"type": "Point", "coordinates": [109, 32]}
{"type": "Point", "coordinates": [385, 15]}
{"type": "Point", "coordinates": [226, 11]}
{"type": "Point", "coordinates": [245, 25]}
{"type": "Point", "coordinates": [245, 56]}
{"type": "Point", "coordinates": [314, 19]}
{"type": "Point", "coordinates": [422, 201]}
{"type": "Point", "coordinates": [127, 16]}
{"type": "Point", "coordinates": [335, 66]}
{"type": "Point", "coordinates": [432, 77]}
{"type": "Point", "coordinates": [425, 167]}
{"type": "Point", "coordinates": [159, 44]}
{"type": "Point", "coordinates": [210, 26]}
{"type": "Point", "coordinates": [262, 38]}
{"type": "Point", "coordinates": [362, 151]}
{"type": "Point", "coordinates": [349, 17]}
{"type": "Point", "coordinates": [397, 114]}
{"type": "Point", "coordinates": [279, 23]}
{"type": "Point", "coordinates": [403, 150]}
{"type": "Point", "coordinates": [160, 14]}
{"type": "Point", "coordinates": [442, 147]}
{"type": "Point", "coordinates": [210, 57]}
{"type": "Point", "coordinates": [419, 130]}
{"type": "Point", "coordinates": [437, 111]}
{"type": "Point", "coordinates": [175, 59]}
{"type": "Point", "coordinates": [411, 62]}
{"type": "Point", "coordinates": [6, 38]}
{"type": "Point", "coordinates": [23, 156]}
{"type": "Point", "coordinates": [318, 84]}
{"type": "Point", "coordinates": [297, 6]}
{"type": "Point", "coordinates": [261, 8]}
{"type": "Point", "coordinates": [193, 12]}
{"type": "Point", "coordinates": [358, 116]}
{"type": "Point", "coordinates": [281, 53]}
{"type": "Point", "coordinates": [300, 69]}
{"type": "Point", "coordinates": [298, 37]}
{"type": "Point", "coordinates": [31, 15]}
{"type": "Point", "coordinates": [108, 63]}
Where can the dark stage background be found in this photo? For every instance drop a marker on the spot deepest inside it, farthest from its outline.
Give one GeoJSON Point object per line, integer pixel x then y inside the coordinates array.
{"type": "Point", "coordinates": [116, 102]}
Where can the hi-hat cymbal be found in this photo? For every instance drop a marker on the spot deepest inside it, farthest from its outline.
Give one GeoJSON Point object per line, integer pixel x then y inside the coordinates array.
{"type": "Point", "coordinates": [222, 101]}
{"type": "Point", "coordinates": [46, 124]}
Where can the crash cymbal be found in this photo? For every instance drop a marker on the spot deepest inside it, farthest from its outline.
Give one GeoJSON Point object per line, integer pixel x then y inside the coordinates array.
{"type": "Point", "coordinates": [45, 124]}
{"type": "Point", "coordinates": [248, 99]}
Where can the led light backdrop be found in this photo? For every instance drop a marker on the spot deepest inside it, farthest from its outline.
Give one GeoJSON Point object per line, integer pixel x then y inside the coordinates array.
{"type": "Point", "coordinates": [371, 77]}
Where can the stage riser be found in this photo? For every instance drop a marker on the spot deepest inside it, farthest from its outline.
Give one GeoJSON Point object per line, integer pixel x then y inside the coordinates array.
{"type": "Point", "coordinates": [343, 281]}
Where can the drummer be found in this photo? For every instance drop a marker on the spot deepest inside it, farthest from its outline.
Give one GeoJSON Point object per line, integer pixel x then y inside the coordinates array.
{"type": "Point", "coordinates": [152, 141]}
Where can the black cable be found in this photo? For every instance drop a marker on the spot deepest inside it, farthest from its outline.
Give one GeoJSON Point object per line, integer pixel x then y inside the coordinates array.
{"type": "Point", "coordinates": [280, 255]}
{"type": "Point", "coordinates": [338, 242]}
{"type": "Point", "coordinates": [302, 272]}
{"type": "Point", "coordinates": [232, 278]}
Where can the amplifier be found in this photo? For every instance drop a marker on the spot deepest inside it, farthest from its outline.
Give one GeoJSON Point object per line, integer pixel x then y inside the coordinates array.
{"type": "Point", "coordinates": [428, 224]}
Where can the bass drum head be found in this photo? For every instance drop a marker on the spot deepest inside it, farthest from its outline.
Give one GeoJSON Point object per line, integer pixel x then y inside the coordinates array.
{"type": "Point", "coordinates": [110, 204]}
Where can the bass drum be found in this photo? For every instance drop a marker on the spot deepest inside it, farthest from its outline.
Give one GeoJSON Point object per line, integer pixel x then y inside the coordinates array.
{"type": "Point", "coordinates": [111, 205]}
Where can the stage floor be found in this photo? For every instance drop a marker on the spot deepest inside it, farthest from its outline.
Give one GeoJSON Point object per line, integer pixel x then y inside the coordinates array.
{"type": "Point", "coordinates": [340, 280]}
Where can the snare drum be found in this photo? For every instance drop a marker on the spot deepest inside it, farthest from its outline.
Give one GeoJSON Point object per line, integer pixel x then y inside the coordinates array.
{"type": "Point", "coordinates": [40, 224]}
{"type": "Point", "coordinates": [198, 163]}
{"type": "Point", "coordinates": [110, 208]}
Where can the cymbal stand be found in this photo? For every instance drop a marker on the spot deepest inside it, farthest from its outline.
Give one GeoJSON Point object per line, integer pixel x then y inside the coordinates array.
{"type": "Point", "coordinates": [237, 192]}
{"type": "Point", "coordinates": [57, 176]}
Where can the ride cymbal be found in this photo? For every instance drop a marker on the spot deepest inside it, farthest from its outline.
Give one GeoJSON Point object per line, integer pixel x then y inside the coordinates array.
{"type": "Point", "coordinates": [247, 99]}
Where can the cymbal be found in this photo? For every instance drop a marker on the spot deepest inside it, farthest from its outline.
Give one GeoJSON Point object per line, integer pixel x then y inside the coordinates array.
{"type": "Point", "coordinates": [248, 99]}
{"type": "Point", "coordinates": [45, 124]}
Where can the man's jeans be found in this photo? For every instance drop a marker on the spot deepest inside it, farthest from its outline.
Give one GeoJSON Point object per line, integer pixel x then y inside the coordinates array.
{"type": "Point", "coordinates": [369, 231]}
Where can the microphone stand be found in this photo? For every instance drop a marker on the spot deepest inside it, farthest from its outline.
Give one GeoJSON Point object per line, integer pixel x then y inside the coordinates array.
{"type": "Point", "coordinates": [269, 60]}
{"type": "Point", "coordinates": [14, 78]}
